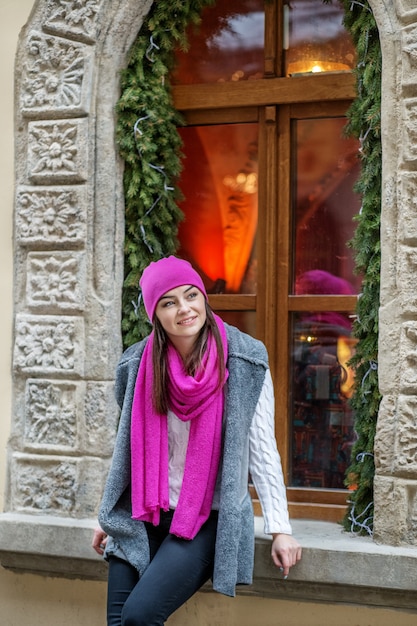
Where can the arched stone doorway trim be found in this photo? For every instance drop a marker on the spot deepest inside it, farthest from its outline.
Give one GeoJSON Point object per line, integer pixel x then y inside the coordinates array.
{"type": "Point", "coordinates": [69, 231]}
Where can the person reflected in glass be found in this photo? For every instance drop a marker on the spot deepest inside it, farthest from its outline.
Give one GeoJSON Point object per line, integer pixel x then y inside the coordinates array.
{"type": "Point", "coordinates": [197, 416]}
{"type": "Point", "coordinates": [323, 420]}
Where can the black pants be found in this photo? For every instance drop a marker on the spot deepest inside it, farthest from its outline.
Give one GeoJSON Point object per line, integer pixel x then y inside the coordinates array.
{"type": "Point", "coordinates": [177, 570]}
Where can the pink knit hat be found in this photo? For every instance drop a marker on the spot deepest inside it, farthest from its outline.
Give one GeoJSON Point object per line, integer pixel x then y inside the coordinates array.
{"type": "Point", "coordinates": [163, 275]}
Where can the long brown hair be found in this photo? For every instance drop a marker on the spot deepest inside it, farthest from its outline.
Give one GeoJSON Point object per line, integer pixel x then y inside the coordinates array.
{"type": "Point", "coordinates": [160, 395]}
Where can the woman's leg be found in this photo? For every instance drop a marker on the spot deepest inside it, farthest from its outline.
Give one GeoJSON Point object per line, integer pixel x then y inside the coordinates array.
{"type": "Point", "coordinates": [122, 578]}
{"type": "Point", "coordinates": [178, 569]}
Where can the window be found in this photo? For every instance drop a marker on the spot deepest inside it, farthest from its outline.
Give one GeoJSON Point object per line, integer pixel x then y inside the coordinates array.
{"type": "Point", "coordinates": [268, 198]}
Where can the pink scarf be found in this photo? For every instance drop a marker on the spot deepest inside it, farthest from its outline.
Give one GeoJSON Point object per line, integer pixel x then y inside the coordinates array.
{"type": "Point", "coordinates": [191, 398]}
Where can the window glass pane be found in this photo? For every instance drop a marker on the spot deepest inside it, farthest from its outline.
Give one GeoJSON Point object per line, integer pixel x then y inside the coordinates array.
{"type": "Point", "coordinates": [244, 320]}
{"type": "Point", "coordinates": [219, 184]}
{"type": "Point", "coordinates": [315, 39]}
{"type": "Point", "coordinates": [322, 420]}
{"type": "Point", "coordinates": [227, 46]}
{"type": "Point", "coordinates": [324, 170]}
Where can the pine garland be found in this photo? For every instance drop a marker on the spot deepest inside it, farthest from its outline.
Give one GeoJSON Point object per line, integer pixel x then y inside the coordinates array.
{"type": "Point", "coordinates": [364, 122]}
{"type": "Point", "coordinates": [150, 145]}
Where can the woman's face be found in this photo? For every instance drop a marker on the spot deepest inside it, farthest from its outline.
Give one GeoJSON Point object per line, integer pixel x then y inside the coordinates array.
{"type": "Point", "coordinates": [182, 313]}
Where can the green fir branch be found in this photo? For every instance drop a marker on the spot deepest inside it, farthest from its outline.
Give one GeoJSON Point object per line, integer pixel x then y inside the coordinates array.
{"type": "Point", "coordinates": [150, 145]}
{"type": "Point", "coordinates": [364, 122]}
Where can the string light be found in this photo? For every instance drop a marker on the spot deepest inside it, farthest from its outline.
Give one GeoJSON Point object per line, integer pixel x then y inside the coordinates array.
{"type": "Point", "coordinates": [149, 49]}
{"type": "Point", "coordinates": [360, 5]}
{"type": "Point", "coordinates": [373, 366]}
{"type": "Point", "coordinates": [137, 132]}
{"type": "Point", "coordinates": [364, 525]}
{"type": "Point", "coordinates": [367, 523]}
{"type": "Point", "coordinates": [136, 305]}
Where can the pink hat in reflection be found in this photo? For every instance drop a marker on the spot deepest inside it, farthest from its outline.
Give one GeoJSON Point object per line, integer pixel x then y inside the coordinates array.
{"type": "Point", "coordinates": [321, 282]}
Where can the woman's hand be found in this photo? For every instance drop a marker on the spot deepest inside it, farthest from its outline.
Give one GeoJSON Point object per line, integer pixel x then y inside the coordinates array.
{"type": "Point", "coordinates": [285, 552]}
{"type": "Point", "coordinates": [99, 540]}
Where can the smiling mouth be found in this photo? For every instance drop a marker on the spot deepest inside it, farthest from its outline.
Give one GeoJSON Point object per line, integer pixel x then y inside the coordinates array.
{"type": "Point", "coordinates": [187, 321]}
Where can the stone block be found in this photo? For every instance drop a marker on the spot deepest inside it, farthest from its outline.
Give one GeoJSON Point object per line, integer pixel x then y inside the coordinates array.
{"type": "Point", "coordinates": [101, 417]}
{"type": "Point", "coordinates": [395, 519]}
{"type": "Point", "coordinates": [57, 151]}
{"type": "Point", "coordinates": [404, 451]}
{"type": "Point", "coordinates": [49, 345]}
{"type": "Point", "coordinates": [407, 226]}
{"type": "Point", "coordinates": [408, 358]}
{"type": "Point", "coordinates": [56, 281]}
{"type": "Point", "coordinates": [385, 435]}
{"type": "Point", "coordinates": [51, 217]}
{"type": "Point", "coordinates": [409, 130]}
{"type": "Point", "coordinates": [73, 19]}
{"type": "Point", "coordinates": [57, 485]}
{"type": "Point", "coordinates": [52, 414]}
{"type": "Point", "coordinates": [409, 57]}
{"type": "Point", "coordinates": [56, 78]}
{"type": "Point", "coordinates": [406, 10]}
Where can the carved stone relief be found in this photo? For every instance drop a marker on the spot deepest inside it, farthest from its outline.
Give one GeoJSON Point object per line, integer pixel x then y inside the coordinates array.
{"type": "Point", "coordinates": [45, 485]}
{"type": "Point", "coordinates": [56, 77]}
{"type": "Point", "coordinates": [57, 151]}
{"type": "Point", "coordinates": [49, 344]}
{"type": "Point", "coordinates": [73, 18]}
{"type": "Point", "coordinates": [56, 281]}
{"type": "Point", "coordinates": [51, 217]}
{"type": "Point", "coordinates": [51, 415]}
{"type": "Point", "coordinates": [67, 321]}
{"type": "Point", "coordinates": [395, 484]}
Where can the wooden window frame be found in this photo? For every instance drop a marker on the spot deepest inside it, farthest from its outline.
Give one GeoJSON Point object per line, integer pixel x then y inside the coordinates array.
{"type": "Point", "coordinates": [272, 103]}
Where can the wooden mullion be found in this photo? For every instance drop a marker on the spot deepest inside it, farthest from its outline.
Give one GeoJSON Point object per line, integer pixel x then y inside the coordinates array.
{"type": "Point", "coordinates": [281, 320]}
{"type": "Point", "coordinates": [235, 115]}
{"type": "Point", "coordinates": [318, 496]}
{"type": "Point", "coordinates": [322, 303]}
{"type": "Point", "coordinates": [267, 232]}
{"type": "Point", "coordinates": [263, 92]}
{"type": "Point", "coordinates": [320, 512]}
{"type": "Point", "coordinates": [320, 509]}
{"type": "Point", "coordinates": [320, 109]}
{"type": "Point", "coordinates": [271, 59]}
{"type": "Point", "coordinates": [232, 302]}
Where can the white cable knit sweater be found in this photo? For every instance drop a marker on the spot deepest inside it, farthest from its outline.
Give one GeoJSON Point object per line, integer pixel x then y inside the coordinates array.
{"type": "Point", "coordinates": [264, 462]}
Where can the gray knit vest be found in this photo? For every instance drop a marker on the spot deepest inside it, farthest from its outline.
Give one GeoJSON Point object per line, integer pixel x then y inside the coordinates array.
{"type": "Point", "coordinates": [234, 555]}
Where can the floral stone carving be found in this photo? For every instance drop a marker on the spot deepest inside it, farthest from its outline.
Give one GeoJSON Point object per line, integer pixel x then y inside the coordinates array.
{"type": "Point", "coordinates": [56, 280]}
{"type": "Point", "coordinates": [48, 344]}
{"type": "Point", "coordinates": [51, 215]}
{"type": "Point", "coordinates": [55, 77]}
{"type": "Point", "coordinates": [57, 151]}
{"type": "Point", "coordinates": [50, 414]}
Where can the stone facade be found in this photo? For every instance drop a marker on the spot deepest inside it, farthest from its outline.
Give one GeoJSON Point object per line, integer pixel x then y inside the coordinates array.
{"type": "Point", "coordinates": [69, 258]}
{"type": "Point", "coordinates": [396, 440]}
{"type": "Point", "coordinates": [68, 253]}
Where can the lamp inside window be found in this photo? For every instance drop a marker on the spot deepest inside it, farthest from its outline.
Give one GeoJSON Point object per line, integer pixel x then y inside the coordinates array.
{"type": "Point", "coordinates": [315, 39]}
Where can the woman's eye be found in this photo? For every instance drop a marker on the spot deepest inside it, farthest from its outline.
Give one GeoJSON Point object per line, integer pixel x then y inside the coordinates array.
{"type": "Point", "coordinates": [193, 294]}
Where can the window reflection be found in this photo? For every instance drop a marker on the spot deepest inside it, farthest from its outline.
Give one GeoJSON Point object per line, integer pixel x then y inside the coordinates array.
{"type": "Point", "coordinates": [244, 320]}
{"type": "Point", "coordinates": [227, 46]}
{"type": "Point", "coordinates": [315, 39]}
{"type": "Point", "coordinates": [322, 419]}
{"type": "Point", "coordinates": [325, 169]}
{"type": "Point", "coordinates": [219, 184]}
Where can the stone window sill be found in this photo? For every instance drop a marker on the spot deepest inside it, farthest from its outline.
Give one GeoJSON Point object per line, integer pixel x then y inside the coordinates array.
{"type": "Point", "coordinates": [336, 566]}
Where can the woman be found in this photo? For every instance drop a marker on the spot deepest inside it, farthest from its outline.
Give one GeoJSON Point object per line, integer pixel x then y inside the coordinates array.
{"type": "Point", "coordinates": [196, 404]}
